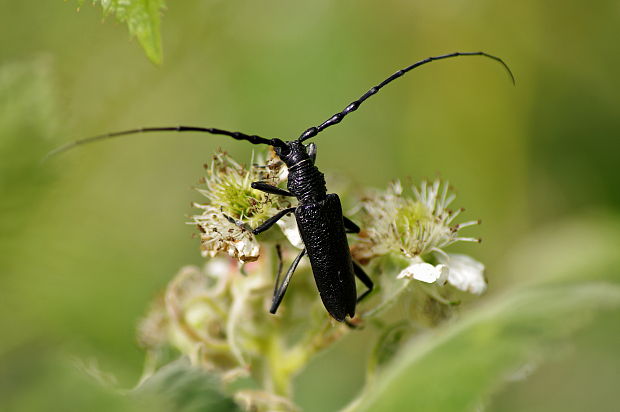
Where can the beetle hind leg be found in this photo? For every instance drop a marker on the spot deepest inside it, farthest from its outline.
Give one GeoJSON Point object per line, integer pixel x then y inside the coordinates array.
{"type": "Point", "coordinates": [361, 275]}
{"type": "Point", "coordinates": [350, 226]}
{"type": "Point", "coordinates": [280, 290]}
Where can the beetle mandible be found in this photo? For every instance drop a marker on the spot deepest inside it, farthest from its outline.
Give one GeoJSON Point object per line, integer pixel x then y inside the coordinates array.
{"type": "Point", "coordinates": [319, 217]}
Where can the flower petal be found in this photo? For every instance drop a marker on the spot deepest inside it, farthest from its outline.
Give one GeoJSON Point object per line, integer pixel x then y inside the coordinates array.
{"type": "Point", "coordinates": [466, 273]}
{"type": "Point", "coordinates": [425, 272]}
{"type": "Point", "coordinates": [288, 224]}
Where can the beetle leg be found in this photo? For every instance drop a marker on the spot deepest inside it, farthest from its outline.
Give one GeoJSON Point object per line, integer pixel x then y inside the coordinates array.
{"type": "Point", "coordinates": [263, 226]}
{"type": "Point", "coordinates": [267, 188]}
{"type": "Point", "coordinates": [281, 289]}
{"type": "Point", "coordinates": [272, 220]}
{"type": "Point", "coordinates": [280, 261]}
{"type": "Point", "coordinates": [361, 275]}
{"type": "Point", "coordinates": [239, 223]}
{"type": "Point", "coordinates": [349, 226]}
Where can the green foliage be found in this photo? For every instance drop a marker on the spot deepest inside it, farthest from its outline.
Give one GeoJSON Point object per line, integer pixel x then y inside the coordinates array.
{"type": "Point", "coordinates": [458, 368]}
{"type": "Point", "coordinates": [460, 365]}
{"type": "Point", "coordinates": [88, 239]}
{"type": "Point", "coordinates": [143, 20]}
{"type": "Point", "coordinates": [75, 385]}
{"type": "Point", "coordinates": [184, 388]}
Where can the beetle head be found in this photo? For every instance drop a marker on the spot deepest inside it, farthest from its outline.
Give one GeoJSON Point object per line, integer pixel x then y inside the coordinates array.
{"type": "Point", "coordinates": [294, 152]}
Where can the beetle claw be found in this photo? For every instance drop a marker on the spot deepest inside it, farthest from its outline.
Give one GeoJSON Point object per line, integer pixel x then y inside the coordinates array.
{"type": "Point", "coordinates": [237, 222]}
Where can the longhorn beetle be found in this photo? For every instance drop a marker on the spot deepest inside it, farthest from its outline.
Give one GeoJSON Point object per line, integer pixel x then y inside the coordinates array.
{"type": "Point", "coordinates": [322, 225]}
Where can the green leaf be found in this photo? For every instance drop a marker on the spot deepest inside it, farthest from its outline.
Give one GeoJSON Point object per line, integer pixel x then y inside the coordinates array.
{"type": "Point", "coordinates": [458, 366]}
{"type": "Point", "coordinates": [387, 345]}
{"type": "Point", "coordinates": [184, 388]}
{"type": "Point", "coordinates": [143, 19]}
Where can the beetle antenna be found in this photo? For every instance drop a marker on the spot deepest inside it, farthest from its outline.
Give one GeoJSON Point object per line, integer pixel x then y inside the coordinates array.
{"type": "Point", "coordinates": [337, 118]}
{"type": "Point", "coordinates": [254, 139]}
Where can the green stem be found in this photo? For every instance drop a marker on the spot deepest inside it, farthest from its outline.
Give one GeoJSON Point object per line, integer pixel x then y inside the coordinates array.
{"type": "Point", "coordinates": [279, 375]}
{"type": "Point", "coordinates": [387, 303]}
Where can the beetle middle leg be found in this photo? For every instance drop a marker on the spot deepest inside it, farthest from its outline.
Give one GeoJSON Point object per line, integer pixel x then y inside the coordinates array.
{"type": "Point", "coordinates": [263, 226]}
{"type": "Point", "coordinates": [280, 290]}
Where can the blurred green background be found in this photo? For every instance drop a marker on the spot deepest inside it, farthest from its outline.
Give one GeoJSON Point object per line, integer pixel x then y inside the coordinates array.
{"type": "Point", "coordinates": [87, 239]}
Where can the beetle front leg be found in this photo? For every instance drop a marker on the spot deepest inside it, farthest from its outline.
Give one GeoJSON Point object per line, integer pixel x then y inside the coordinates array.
{"type": "Point", "coordinates": [281, 289]}
{"type": "Point", "coordinates": [267, 188]}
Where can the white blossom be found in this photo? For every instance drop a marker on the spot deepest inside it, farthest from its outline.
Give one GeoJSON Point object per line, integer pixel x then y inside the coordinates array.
{"type": "Point", "coordinates": [461, 271]}
{"type": "Point", "coordinates": [425, 272]}
{"type": "Point", "coordinates": [412, 227]}
{"type": "Point", "coordinates": [420, 228]}
{"type": "Point", "coordinates": [466, 273]}
{"type": "Point", "coordinates": [288, 225]}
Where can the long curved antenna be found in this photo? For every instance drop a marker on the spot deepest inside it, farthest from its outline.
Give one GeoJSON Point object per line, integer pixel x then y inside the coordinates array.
{"type": "Point", "coordinates": [336, 118]}
{"type": "Point", "coordinates": [235, 135]}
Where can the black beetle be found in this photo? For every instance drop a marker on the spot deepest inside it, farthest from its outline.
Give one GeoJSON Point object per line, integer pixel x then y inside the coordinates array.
{"type": "Point", "coordinates": [322, 226]}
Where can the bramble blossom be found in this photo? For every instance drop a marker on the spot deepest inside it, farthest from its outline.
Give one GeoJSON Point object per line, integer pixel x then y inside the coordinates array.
{"type": "Point", "coordinates": [419, 229]}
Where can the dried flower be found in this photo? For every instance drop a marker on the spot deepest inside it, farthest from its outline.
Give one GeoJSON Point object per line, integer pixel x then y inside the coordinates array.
{"type": "Point", "coordinates": [206, 314]}
{"type": "Point", "coordinates": [262, 401]}
{"type": "Point", "coordinates": [229, 193]}
{"type": "Point", "coordinates": [219, 318]}
{"type": "Point", "coordinates": [218, 234]}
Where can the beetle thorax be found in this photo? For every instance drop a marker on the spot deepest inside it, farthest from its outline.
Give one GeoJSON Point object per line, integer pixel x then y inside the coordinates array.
{"type": "Point", "coordinates": [305, 181]}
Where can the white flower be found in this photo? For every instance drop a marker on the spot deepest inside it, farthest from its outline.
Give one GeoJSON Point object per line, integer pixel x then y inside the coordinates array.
{"type": "Point", "coordinates": [412, 227]}
{"type": "Point", "coordinates": [461, 271]}
{"type": "Point", "coordinates": [288, 225]}
{"type": "Point", "coordinates": [466, 273]}
{"type": "Point", "coordinates": [418, 229]}
{"type": "Point", "coordinates": [425, 272]}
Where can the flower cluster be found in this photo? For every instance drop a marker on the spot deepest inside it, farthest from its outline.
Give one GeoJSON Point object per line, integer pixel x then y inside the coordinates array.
{"type": "Point", "coordinates": [419, 229]}
{"type": "Point", "coordinates": [205, 314]}
{"type": "Point", "coordinates": [218, 316]}
{"type": "Point", "coordinates": [231, 197]}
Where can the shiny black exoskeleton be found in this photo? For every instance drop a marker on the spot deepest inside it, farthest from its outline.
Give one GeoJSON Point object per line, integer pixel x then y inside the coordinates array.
{"type": "Point", "coordinates": [321, 224]}
{"type": "Point", "coordinates": [323, 230]}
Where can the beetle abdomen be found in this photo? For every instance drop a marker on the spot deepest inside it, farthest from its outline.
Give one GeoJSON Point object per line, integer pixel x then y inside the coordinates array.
{"type": "Point", "coordinates": [322, 230]}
